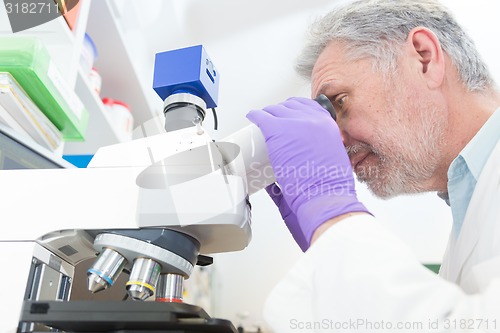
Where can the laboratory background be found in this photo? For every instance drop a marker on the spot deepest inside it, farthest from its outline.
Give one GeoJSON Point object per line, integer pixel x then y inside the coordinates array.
{"type": "Point", "coordinates": [105, 53]}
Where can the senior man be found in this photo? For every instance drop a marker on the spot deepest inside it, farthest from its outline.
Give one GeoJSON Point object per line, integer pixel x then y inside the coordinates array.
{"type": "Point", "coordinates": [416, 111]}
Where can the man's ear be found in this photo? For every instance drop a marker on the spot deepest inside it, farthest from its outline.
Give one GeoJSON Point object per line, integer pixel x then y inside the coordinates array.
{"type": "Point", "coordinates": [426, 49]}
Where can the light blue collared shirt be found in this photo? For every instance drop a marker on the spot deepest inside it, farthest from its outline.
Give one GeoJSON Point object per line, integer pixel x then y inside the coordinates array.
{"type": "Point", "coordinates": [465, 169]}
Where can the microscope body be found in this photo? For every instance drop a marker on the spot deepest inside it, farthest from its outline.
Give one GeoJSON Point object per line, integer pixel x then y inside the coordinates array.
{"type": "Point", "coordinates": [153, 207]}
{"type": "Point", "coordinates": [179, 182]}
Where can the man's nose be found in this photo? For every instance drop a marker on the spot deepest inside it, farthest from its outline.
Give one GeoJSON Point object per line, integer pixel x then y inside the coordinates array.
{"type": "Point", "coordinates": [346, 138]}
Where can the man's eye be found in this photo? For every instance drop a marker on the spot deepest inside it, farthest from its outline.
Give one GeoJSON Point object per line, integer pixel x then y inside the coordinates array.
{"type": "Point", "coordinates": [340, 101]}
{"type": "Point", "coordinates": [340, 104]}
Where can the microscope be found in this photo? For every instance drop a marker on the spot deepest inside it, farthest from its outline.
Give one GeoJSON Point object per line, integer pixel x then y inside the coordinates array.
{"type": "Point", "coordinates": [151, 208]}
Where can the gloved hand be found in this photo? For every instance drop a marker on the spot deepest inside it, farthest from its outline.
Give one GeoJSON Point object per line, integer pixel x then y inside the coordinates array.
{"type": "Point", "coordinates": [288, 216]}
{"type": "Point", "coordinates": [310, 163]}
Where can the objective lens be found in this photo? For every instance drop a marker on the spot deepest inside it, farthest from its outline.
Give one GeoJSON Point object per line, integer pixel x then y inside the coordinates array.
{"type": "Point", "coordinates": [143, 279]}
{"type": "Point", "coordinates": [106, 269]}
{"type": "Point", "coordinates": [170, 288]}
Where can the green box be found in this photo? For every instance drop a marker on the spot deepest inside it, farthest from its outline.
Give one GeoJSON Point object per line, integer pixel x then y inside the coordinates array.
{"type": "Point", "coordinates": [28, 61]}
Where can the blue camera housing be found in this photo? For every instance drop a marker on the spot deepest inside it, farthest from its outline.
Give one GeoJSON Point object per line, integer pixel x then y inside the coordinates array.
{"type": "Point", "coordinates": [186, 70]}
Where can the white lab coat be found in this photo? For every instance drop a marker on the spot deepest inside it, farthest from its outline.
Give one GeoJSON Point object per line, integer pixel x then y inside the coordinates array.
{"type": "Point", "coordinates": [358, 277]}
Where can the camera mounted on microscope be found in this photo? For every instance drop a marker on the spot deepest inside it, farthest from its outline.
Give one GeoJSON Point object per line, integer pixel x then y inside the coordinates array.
{"type": "Point", "coordinates": [188, 83]}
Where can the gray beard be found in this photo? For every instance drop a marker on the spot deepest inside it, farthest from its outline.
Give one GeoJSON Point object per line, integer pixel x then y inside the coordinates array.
{"type": "Point", "coordinates": [407, 164]}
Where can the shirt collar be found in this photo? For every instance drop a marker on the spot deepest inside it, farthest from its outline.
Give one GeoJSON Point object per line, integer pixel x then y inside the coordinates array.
{"type": "Point", "coordinates": [475, 154]}
{"type": "Point", "coordinates": [477, 151]}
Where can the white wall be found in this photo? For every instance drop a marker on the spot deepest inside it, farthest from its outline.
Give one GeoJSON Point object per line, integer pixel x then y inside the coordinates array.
{"type": "Point", "coordinates": [253, 44]}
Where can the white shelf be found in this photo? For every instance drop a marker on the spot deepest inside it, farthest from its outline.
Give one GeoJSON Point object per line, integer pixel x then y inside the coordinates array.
{"type": "Point", "coordinates": [117, 64]}
{"type": "Point", "coordinates": [118, 61]}
{"type": "Point", "coordinates": [100, 131]}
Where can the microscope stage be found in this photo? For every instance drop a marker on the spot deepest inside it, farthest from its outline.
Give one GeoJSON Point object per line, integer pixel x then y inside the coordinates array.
{"type": "Point", "coordinates": [121, 316]}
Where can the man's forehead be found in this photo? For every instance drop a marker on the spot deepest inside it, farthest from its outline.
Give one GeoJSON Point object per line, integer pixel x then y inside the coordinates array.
{"type": "Point", "coordinates": [331, 64]}
{"type": "Point", "coordinates": [326, 86]}
{"type": "Point", "coordinates": [331, 49]}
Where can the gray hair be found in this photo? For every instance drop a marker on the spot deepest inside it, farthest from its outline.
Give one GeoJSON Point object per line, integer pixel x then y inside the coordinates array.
{"type": "Point", "coordinates": [378, 29]}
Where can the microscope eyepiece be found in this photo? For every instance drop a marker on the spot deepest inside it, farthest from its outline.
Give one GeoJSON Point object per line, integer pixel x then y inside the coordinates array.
{"type": "Point", "coordinates": [327, 105]}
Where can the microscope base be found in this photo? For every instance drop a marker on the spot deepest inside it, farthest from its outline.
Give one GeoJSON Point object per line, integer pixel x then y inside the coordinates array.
{"type": "Point", "coordinates": [119, 316]}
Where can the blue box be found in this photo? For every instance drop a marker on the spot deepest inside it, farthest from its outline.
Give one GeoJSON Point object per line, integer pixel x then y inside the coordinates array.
{"type": "Point", "coordinates": [80, 161]}
{"type": "Point", "coordinates": [186, 70]}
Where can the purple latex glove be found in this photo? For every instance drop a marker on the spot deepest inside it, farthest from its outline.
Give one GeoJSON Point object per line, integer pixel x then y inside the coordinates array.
{"type": "Point", "coordinates": [309, 161]}
{"type": "Point", "coordinates": [288, 216]}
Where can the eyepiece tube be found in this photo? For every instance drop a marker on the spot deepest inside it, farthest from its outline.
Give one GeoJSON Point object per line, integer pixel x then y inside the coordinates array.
{"type": "Point", "coordinates": [327, 105]}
